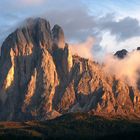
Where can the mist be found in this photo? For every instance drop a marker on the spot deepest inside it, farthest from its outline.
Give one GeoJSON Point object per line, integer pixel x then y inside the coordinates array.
{"type": "Point", "coordinates": [126, 69]}
{"type": "Point", "coordinates": [84, 49]}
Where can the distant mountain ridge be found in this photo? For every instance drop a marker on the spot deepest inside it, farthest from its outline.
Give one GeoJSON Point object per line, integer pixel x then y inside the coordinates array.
{"type": "Point", "coordinates": [121, 54]}
{"type": "Point", "coordinates": [40, 79]}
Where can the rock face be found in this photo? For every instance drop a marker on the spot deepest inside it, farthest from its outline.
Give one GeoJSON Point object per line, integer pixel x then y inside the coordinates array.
{"type": "Point", "coordinates": [41, 79]}
{"type": "Point", "coordinates": [121, 54]}
{"type": "Point", "coordinates": [138, 48]}
{"type": "Point", "coordinates": [67, 60]}
{"type": "Point", "coordinates": [58, 36]}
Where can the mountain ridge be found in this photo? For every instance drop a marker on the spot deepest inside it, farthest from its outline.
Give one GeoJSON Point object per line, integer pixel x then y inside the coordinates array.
{"type": "Point", "coordinates": [41, 79]}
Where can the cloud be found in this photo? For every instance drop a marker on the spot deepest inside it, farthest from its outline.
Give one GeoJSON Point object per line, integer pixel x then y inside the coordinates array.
{"type": "Point", "coordinates": [73, 15]}
{"type": "Point", "coordinates": [125, 69]}
{"type": "Point", "coordinates": [109, 43]}
{"type": "Point", "coordinates": [15, 3]}
{"type": "Point", "coordinates": [123, 28]}
{"type": "Point", "coordinates": [75, 30]}
{"type": "Point", "coordinates": [84, 49]}
{"type": "Point", "coordinates": [31, 2]}
{"type": "Point", "coordinates": [76, 19]}
{"type": "Point", "coordinates": [110, 31]}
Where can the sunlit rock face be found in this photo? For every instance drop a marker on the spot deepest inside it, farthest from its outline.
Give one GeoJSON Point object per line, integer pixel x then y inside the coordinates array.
{"type": "Point", "coordinates": [67, 60]}
{"type": "Point", "coordinates": [28, 73]}
{"type": "Point", "coordinates": [41, 79]}
{"type": "Point", "coordinates": [10, 76]}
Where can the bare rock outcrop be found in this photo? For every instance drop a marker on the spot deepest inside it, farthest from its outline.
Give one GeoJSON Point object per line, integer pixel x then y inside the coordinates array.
{"type": "Point", "coordinates": [67, 60]}
{"type": "Point", "coordinates": [58, 36]}
{"type": "Point", "coordinates": [41, 79]}
{"type": "Point", "coordinates": [121, 54]}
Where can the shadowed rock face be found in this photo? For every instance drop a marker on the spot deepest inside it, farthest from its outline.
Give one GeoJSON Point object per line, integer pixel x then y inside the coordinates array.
{"type": "Point", "coordinates": [138, 48]}
{"type": "Point", "coordinates": [41, 79]}
{"type": "Point", "coordinates": [58, 36]}
{"type": "Point", "coordinates": [121, 54]}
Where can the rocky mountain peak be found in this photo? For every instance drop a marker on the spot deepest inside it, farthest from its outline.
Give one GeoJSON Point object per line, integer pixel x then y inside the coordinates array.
{"type": "Point", "coordinates": [121, 54]}
{"type": "Point", "coordinates": [138, 48]}
{"type": "Point", "coordinates": [58, 36]}
{"type": "Point", "coordinates": [36, 32]}
{"type": "Point", "coordinates": [41, 79]}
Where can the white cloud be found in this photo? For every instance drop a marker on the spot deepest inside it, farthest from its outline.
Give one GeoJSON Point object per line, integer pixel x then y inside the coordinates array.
{"type": "Point", "coordinates": [126, 69]}
{"type": "Point", "coordinates": [84, 49]}
{"type": "Point", "coordinates": [76, 20]}
{"type": "Point", "coordinates": [110, 44]}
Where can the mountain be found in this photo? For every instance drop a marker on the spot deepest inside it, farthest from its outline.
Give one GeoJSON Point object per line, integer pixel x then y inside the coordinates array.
{"type": "Point", "coordinates": [121, 54]}
{"type": "Point", "coordinates": [41, 79]}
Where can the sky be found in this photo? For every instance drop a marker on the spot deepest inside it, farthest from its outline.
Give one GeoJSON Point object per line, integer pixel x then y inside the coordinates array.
{"type": "Point", "coordinates": [114, 24]}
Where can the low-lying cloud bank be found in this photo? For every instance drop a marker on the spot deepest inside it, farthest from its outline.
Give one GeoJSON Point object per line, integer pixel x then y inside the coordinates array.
{"type": "Point", "coordinates": [126, 69]}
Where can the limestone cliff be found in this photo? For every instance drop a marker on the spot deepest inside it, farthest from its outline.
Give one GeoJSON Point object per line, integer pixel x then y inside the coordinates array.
{"type": "Point", "coordinates": [58, 36]}
{"type": "Point", "coordinates": [40, 78]}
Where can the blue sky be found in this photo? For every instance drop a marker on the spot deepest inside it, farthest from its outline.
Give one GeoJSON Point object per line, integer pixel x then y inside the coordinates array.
{"type": "Point", "coordinates": [113, 23]}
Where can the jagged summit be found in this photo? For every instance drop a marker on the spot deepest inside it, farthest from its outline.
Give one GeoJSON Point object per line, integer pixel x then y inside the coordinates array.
{"type": "Point", "coordinates": [121, 54]}
{"type": "Point", "coordinates": [58, 36]}
{"type": "Point", "coordinates": [41, 79]}
{"type": "Point", "coordinates": [138, 48]}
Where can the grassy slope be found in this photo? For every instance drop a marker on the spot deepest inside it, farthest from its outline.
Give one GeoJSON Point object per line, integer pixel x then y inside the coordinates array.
{"type": "Point", "coordinates": [72, 126]}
